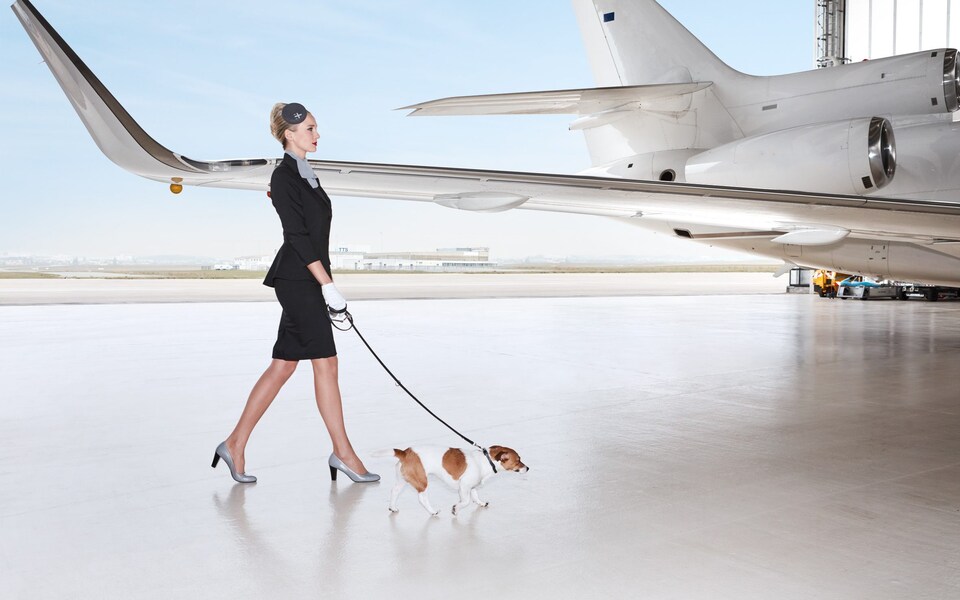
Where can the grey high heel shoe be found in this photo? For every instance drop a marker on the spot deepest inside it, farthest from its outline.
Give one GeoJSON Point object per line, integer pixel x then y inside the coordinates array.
{"type": "Point", "coordinates": [224, 453]}
{"type": "Point", "coordinates": [337, 465]}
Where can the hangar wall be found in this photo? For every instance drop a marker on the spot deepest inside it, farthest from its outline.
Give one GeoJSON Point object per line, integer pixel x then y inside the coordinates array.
{"type": "Point", "coordinates": [878, 28]}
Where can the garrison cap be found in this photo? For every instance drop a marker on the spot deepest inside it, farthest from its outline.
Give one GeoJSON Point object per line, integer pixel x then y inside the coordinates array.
{"type": "Point", "coordinates": [293, 113]}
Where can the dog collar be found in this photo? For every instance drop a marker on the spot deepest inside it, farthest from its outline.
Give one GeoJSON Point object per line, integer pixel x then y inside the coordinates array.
{"type": "Point", "coordinates": [489, 460]}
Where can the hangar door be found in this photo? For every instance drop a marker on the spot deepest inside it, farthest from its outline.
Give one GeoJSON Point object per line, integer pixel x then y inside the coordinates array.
{"type": "Point", "coordinates": [878, 28]}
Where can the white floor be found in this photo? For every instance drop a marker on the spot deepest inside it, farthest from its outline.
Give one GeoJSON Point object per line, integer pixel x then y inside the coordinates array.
{"type": "Point", "coordinates": [740, 447]}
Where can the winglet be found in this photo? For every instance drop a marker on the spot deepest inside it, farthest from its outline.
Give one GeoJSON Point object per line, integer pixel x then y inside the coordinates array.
{"type": "Point", "coordinates": [115, 132]}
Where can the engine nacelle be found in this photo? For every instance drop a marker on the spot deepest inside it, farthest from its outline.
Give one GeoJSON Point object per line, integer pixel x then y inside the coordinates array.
{"type": "Point", "coordinates": [845, 157]}
{"type": "Point", "coordinates": [920, 83]}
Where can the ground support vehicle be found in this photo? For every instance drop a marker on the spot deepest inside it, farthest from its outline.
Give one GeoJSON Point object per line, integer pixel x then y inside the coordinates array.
{"type": "Point", "coordinates": [825, 283]}
{"type": "Point", "coordinates": [931, 293]}
{"type": "Point", "coordinates": [858, 287]}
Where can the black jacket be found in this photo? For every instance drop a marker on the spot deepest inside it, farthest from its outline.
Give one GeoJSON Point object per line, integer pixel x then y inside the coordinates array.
{"type": "Point", "coordinates": [305, 214]}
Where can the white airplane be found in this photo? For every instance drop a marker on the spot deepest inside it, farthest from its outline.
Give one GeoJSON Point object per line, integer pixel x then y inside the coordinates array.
{"type": "Point", "coordinates": [802, 167]}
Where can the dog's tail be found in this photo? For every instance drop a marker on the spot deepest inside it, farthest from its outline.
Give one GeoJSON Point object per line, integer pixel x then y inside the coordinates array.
{"type": "Point", "coordinates": [389, 453]}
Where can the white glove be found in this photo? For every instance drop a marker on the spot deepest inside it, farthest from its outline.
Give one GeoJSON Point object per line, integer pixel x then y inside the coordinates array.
{"type": "Point", "coordinates": [333, 297]}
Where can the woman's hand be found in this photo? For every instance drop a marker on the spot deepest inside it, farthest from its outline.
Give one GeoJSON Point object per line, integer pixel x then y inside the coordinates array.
{"type": "Point", "coordinates": [333, 297]}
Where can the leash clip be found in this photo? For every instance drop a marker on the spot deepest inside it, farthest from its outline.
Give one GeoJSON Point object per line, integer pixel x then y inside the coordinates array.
{"type": "Point", "coordinates": [487, 454]}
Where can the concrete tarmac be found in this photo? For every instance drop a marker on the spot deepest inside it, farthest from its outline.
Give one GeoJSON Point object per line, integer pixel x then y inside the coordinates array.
{"type": "Point", "coordinates": [365, 286]}
{"type": "Point", "coordinates": [742, 446]}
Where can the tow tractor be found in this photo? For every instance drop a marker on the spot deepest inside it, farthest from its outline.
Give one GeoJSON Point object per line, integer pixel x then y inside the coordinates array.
{"type": "Point", "coordinates": [825, 282]}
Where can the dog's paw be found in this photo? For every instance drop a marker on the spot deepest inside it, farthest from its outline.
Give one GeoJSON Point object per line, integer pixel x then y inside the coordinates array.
{"type": "Point", "coordinates": [484, 504]}
{"type": "Point", "coordinates": [435, 514]}
{"type": "Point", "coordinates": [393, 510]}
{"type": "Point", "coordinates": [454, 510]}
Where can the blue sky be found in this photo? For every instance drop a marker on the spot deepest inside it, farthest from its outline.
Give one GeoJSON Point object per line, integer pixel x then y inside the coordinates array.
{"type": "Point", "coordinates": [201, 78]}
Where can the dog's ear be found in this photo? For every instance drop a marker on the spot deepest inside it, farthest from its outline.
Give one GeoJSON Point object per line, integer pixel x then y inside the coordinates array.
{"type": "Point", "coordinates": [497, 451]}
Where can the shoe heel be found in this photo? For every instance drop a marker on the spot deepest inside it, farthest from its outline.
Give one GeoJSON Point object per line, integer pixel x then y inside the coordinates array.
{"type": "Point", "coordinates": [333, 473]}
{"type": "Point", "coordinates": [216, 459]}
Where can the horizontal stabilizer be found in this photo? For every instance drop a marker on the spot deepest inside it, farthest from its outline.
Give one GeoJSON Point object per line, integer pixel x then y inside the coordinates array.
{"type": "Point", "coordinates": [584, 101]}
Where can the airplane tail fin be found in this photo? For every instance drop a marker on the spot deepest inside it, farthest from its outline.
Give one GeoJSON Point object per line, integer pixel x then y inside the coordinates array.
{"type": "Point", "coordinates": [637, 42]}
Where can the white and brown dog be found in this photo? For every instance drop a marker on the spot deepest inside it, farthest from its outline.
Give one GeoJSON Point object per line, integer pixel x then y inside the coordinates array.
{"type": "Point", "coordinates": [462, 469]}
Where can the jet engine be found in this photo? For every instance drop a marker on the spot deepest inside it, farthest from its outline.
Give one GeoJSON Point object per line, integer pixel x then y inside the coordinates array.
{"type": "Point", "coordinates": [857, 156]}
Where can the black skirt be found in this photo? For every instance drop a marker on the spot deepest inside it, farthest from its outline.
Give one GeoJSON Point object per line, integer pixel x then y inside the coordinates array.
{"type": "Point", "coordinates": [305, 331]}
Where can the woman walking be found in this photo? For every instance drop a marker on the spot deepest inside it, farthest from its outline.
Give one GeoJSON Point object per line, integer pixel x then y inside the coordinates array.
{"type": "Point", "coordinates": [300, 275]}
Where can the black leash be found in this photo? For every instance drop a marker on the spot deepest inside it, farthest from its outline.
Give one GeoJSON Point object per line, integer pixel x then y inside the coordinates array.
{"type": "Point", "coordinates": [338, 317]}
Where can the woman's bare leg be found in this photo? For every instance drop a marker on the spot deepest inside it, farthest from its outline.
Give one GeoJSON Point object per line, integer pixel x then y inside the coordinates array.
{"type": "Point", "coordinates": [325, 372]}
{"type": "Point", "coordinates": [261, 396]}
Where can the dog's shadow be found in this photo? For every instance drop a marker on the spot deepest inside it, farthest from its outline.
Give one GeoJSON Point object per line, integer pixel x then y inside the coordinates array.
{"type": "Point", "coordinates": [407, 539]}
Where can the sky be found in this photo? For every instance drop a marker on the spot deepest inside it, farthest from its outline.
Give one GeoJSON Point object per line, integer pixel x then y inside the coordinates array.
{"type": "Point", "coordinates": [201, 79]}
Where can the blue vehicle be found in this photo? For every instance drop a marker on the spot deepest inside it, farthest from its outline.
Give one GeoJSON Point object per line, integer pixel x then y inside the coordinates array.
{"type": "Point", "coordinates": [858, 281]}
{"type": "Point", "coordinates": [858, 287]}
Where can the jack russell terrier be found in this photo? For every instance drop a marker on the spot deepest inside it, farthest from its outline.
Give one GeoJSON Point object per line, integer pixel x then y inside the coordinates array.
{"type": "Point", "coordinates": [461, 469]}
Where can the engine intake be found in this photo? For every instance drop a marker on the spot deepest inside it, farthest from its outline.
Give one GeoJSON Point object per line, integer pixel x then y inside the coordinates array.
{"type": "Point", "coordinates": [951, 80]}
{"type": "Point", "coordinates": [844, 157]}
{"type": "Point", "coordinates": [881, 151]}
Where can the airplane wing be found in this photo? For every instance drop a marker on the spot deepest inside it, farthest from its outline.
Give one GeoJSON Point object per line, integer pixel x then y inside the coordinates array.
{"type": "Point", "coordinates": [722, 211]}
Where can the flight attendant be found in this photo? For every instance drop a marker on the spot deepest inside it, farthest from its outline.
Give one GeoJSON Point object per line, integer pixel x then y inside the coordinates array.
{"type": "Point", "coordinates": [300, 276]}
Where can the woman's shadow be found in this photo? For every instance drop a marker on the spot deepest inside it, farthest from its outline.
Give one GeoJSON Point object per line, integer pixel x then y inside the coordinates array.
{"type": "Point", "coordinates": [254, 548]}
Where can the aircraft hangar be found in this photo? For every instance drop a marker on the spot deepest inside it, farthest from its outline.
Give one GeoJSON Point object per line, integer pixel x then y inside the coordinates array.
{"type": "Point", "coordinates": [714, 444]}
{"type": "Point", "coordinates": [856, 30]}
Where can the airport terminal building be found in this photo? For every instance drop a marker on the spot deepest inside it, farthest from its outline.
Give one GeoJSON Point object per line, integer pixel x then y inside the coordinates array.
{"type": "Point", "coordinates": [345, 258]}
{"type": "Point", "coordinates": [442, 259]}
